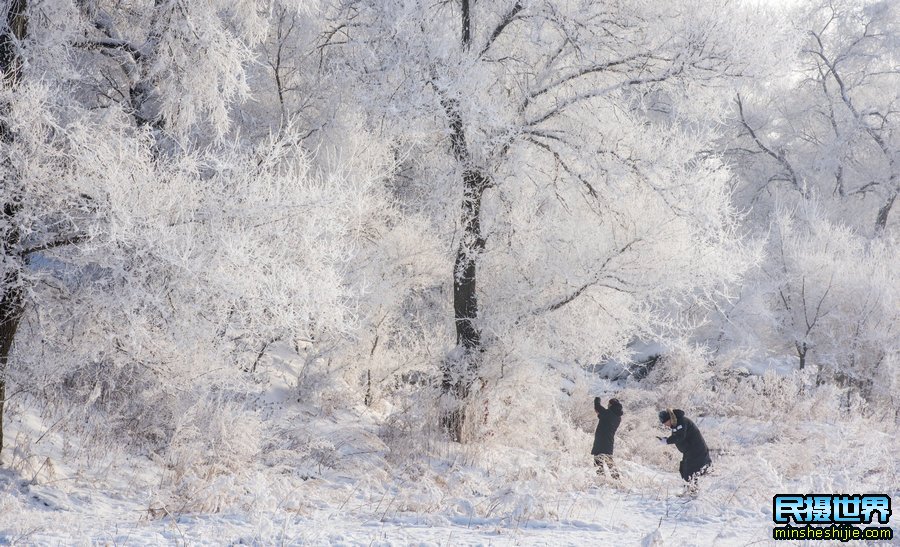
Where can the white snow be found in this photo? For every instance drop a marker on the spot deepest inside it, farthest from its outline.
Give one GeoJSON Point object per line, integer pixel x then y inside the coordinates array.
{"type": "Point", "coordinates": [54, 492]}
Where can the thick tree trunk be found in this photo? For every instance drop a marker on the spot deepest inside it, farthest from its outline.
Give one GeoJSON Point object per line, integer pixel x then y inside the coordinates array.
{"type": "Point", "coordinates": [10, 313]}
{"type": "Point", "coordinates": [465, 296]}
{"type": "Point", "coordinates": [14, 29]}
{"type": "Point", "coordinates": [461, 371]}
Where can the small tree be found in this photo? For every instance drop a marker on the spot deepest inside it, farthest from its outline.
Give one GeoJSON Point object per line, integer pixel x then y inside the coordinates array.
{"type": "Point", "coordinates": [834, 300]}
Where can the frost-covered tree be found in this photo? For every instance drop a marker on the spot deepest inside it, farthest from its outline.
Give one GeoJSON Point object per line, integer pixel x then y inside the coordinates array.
{"type": "Point", "coordinates": [188, 285]}
{"type": "Point", "coordinates": [173, 64]}
{"type": "Point", "coordinates": [832, 298]}
{"type": "Point", "coordinates": [580, 194]}
{"type": "Point", "coordinates": [14, 29]}
{"type": "Point", "coordinates": [146, 255]}
{"type": "Point", "coordinates": [817, 154]}
{"type": "Point", "coordinates": [828, 128]}
{"type": "Point", "coordinates": [70, 72]}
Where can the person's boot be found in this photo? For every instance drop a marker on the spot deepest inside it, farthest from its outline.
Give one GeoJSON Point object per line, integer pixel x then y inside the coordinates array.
{"type": "Point", "coordinates": [690, 490]}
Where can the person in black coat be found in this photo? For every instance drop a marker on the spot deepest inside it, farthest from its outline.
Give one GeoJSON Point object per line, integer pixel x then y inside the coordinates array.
{"type": "Point", "coordinates": [604, 437]}
{"type": "Point", "coordinates": [695, 460]}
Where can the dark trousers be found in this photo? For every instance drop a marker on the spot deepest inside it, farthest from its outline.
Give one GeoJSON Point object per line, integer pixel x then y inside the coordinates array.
{"type": "Point", "coordinates": [693, 472]}
{"type": "Point", "coordinates": [606, 461]}
{"type": "Point", "coordinates": [691, 475]}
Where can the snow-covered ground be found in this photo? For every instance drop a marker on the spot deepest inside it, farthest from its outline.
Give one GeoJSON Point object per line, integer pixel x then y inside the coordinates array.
{"type": "Point", "coordinates": [70, 510]}
{"type": "Point", "coordinates": [55, 491]}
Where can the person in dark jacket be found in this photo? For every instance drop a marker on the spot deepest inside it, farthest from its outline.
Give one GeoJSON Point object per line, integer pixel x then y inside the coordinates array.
{"type": "Point", "coordinates": [695, 460]}
{"type": "Point", "coordinates": [604, 437]}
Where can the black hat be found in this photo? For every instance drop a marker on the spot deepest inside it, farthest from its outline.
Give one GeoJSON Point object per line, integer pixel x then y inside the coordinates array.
{"type": "Point", "coordinates": [664, 416]}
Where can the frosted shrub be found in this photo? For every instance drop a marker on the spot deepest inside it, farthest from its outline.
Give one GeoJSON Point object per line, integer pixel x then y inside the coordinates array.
{"type": "Point", "coordinates": [732, 392]}
{"type": "Point", "coordinates": [409, 433]}
{"type": "Point", "coordinates": [690, 382]}
{"type": "Point", "coordinates": [101, 401]}
{"type": "Point", "coordinates": [680, 379]}
{"type": "Point", "coordinates": [321, 385]}
{"type": "Point", "coordinates": [323, 453]}
{"type": "Point", "coordinates": [212, 451]}
{"type": "Point", "coordinates": [520, 409]}
{"type": "Point", "coordinates": [825, 299]}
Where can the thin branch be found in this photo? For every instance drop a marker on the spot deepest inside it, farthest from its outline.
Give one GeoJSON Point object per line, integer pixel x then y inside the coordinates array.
{"type": "Point", "coordinates": [561, 106]}
{"type": "Point", "coordinates": [507, 19]}
{"type": "Point", "coordinates": [590, 188]}
{"type": "Point", "coordinates": [575, 294]}
{"type": "Point", "coordinates": [778, 156]}
{"type": "Point", "coordinates": [583, 71]}
{"type": "Point", "coordinates": [72, 240]}
{"type": "Point", "coordinates": [110, 43]}
{"type": "Point", "coordinates": [820, 315]}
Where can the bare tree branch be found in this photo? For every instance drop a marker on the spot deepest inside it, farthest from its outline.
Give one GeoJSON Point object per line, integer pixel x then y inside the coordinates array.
{"type": "Point", "coordinates": [110, 43]}
{"type": "Point", "coordinates": [498, 30]}
{"type": "Point", "coordinates": [71, 240]}
{"type": "Point", "coordinates": [778, 156]}
{"type": "Point", "coordinates": [594, 282]}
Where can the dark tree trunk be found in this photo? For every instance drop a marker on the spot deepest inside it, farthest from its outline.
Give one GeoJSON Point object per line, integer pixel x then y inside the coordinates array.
{"type": "Point", "coordinates": [15, 27]}
{"type": "Point", "coordinates": [466, 13]}
{"type": "Point", "coordinates": [460, 372]}
{"type": "Point", "coordinates": [801, 353]}
{"type": "Point", "coordinates": [10, 313]}
{"type": "Point", "coordinates": [883, 212]}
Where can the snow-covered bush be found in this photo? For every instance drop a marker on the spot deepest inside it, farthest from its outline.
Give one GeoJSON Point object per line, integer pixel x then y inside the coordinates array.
{"type": "Point", "coordinates": [826, 297]}
{"type": "Point", "coordinates": [210, 456]}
